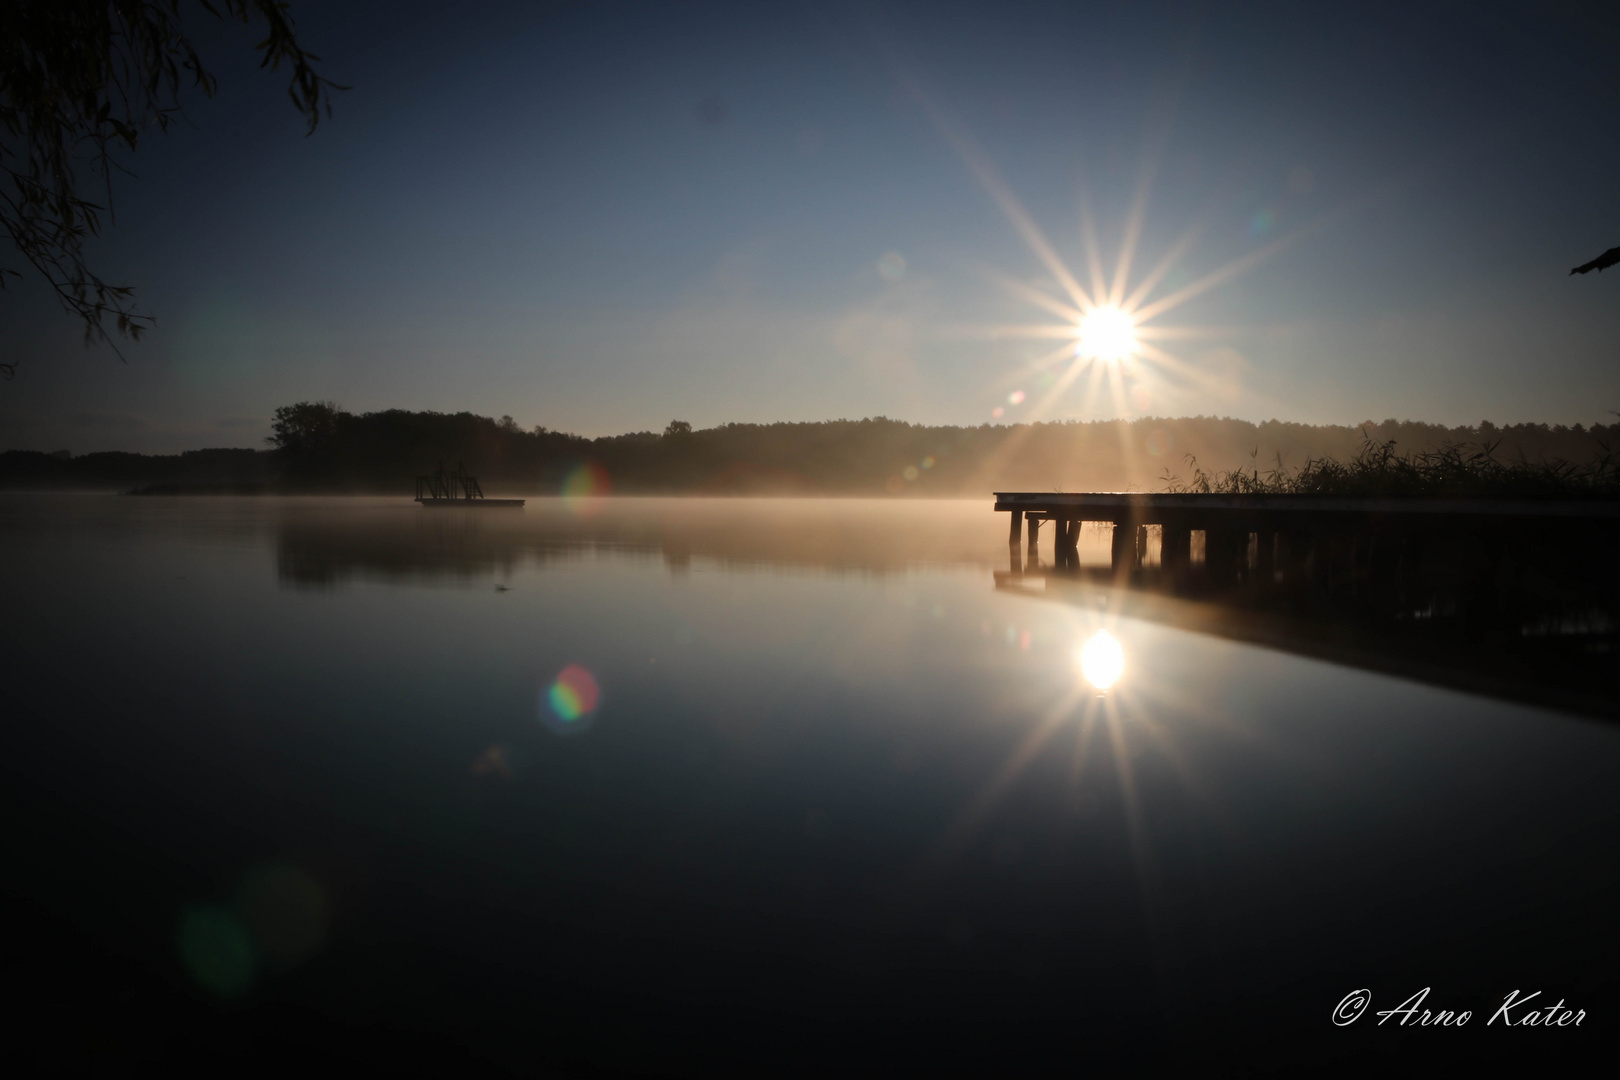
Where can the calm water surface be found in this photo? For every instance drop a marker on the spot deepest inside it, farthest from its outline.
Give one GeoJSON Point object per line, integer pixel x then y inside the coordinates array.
{"type": "Point", "coordinates": [672, 786]}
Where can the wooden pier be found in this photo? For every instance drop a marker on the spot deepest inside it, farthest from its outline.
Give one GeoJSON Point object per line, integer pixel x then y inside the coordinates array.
{"type": "Point", "coordinates": [1261, 533]}
{"type": "Point", "coordinates": [1513, 598]}
{"type": "Point", "coordinates": [456, 489]}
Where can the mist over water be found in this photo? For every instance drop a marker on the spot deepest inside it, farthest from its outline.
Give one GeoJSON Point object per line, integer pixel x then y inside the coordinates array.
{"type": "Point", "coordinates": [662, 785]}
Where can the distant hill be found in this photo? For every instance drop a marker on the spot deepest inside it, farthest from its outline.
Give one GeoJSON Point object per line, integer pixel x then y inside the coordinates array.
{"type": "Point", "coordinates": [321, 448]}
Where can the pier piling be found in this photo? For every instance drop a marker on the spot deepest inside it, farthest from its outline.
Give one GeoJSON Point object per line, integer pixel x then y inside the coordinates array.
{"type": "Point", "coordinates": [1314, 548]}
{"type": "Point", "coordinates": [1175, 551]}
{"type": "Point", "coordinates": [1226, 554]}
{"type": "Point", "coordinates": [1265, 558]}
{"type": "Point", "coordinates": [1122, 553]}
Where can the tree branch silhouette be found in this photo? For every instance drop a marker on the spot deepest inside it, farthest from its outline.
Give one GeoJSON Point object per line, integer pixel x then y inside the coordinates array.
{"type": "Point", "coordinates": [1601, 263]}
{"type": "Point", "coordinates": [81, 82]}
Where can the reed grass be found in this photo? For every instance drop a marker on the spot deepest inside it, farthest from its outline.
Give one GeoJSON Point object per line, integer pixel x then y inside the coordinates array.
{"type": "Point", "coordinates": [1456, 470]}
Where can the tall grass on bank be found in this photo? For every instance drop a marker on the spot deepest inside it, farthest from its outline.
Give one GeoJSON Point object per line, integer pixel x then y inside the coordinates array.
{"type": "Point", "coordinates": [1453, 471]}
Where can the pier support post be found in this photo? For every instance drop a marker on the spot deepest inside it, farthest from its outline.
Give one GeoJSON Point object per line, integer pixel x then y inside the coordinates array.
{"type": "Point", "coordinates": [1034, 540]}
{"type": "Point", "coordinates": [1175, 549]}
{"type": "Point", "coordinates": [1226, 554]}
{"type": "Point", "coordinates": [1265, 558]}
{"type": "Point", "coordinates": [1067, 545]}
{"type": "Point", "coordinates": [1016, 529]}
{"type": "Point", "coordinates": [1122, 550]}
{"type": "Point", "coordinates": [1295, 557]}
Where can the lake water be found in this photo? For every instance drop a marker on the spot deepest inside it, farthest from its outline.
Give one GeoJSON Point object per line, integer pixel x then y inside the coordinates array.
{"type": "Point", "coordinates": [686, 786]}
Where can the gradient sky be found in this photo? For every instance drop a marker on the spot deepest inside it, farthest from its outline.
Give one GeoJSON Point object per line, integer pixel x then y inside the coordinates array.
{"type": "Point", "coordinates": [601, 217]}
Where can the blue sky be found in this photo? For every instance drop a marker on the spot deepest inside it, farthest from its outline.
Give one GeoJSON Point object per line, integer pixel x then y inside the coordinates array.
{"type": "Point", "coordinates": [602, 217]}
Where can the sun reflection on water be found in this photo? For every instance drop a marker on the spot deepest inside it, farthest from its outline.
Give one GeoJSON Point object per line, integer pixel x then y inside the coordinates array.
{"type": "Point", "coordinates": [1101, 659]}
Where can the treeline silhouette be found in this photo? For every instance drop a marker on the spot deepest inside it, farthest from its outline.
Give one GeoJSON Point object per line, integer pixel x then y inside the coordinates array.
{"type": "Point", "coordinates": [317, 447]}
{"type": "Point", "coordinates": [245, 471]}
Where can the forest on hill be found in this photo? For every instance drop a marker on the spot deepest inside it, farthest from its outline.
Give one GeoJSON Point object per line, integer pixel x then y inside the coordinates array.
{"type": "Point", "coordinates": [317, 447]}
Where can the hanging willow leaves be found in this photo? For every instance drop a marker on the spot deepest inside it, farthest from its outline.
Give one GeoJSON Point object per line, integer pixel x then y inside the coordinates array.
{"type": "Point", "coordinates": [81, 83]}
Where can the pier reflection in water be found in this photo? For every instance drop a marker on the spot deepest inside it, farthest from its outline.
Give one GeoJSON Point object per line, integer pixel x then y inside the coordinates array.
{"type": "Point", "coordinates": [1515, 599]}
{"type": "Point", "coordinates": [710, 786]}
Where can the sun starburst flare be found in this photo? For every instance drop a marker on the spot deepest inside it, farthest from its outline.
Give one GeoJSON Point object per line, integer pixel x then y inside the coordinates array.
{"type": "Point", "coordinates": [1112, 334]}
{"type": "Point", "coordinates": [1110, 343]}
{"type": "Point", "coordinates": [1106, 333]}
{"type": "Point", "coordinates": [1111, 331]}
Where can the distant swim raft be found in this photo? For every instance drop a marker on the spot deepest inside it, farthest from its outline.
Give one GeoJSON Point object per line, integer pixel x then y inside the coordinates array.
{"type": "Point", "coordinates": [456, 489]}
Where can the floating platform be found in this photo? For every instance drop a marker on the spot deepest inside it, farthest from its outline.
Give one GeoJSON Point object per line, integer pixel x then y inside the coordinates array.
{"type": "Point", "coordinates": [456, 489]}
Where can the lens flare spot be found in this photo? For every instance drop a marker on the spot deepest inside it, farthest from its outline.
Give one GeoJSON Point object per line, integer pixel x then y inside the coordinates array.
{"type": "Point", "coordinates": [584, 488]}
{"type": "Point", "coordinates": [1158, 442]}
{"type": "Point", "coordinates": [1015, 398]}
{"type": "Point", "coordinates": [286, 910]}
{"type": "Point", "coordinates": [929, 462]}
{"type": "Point", "coordinates": [1141, 400]}
{"type": "Point", "coordinates": [910, 472]}
{"type": "Point", "coordinates": [496, 760]}
{"type": "Point", "coordinates": [1101, 659]}
{"type": "Point", "coordinates": [1106, 333]}
{"type": "Point", "coordinates": [997, 412]}
{"type": "Point", "coordinates": [572, 697]}
{"type": "Point", "coordinates": [217, 950]}
{"type": "Point", "coordinates": [892, 266]}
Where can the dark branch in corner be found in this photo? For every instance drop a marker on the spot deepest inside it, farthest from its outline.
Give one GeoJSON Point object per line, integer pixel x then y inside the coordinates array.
{"type": "Point", "coordinates": [81, 81]}
{"type": "Point", "coordinates": [1601, 263]}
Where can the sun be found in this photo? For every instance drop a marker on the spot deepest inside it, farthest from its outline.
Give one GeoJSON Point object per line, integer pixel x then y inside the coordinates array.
{"type": "Point", "coordinates": [1106, 333]}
